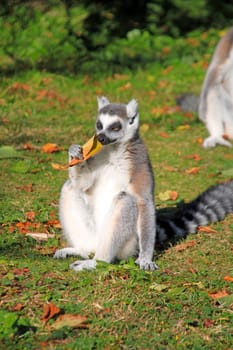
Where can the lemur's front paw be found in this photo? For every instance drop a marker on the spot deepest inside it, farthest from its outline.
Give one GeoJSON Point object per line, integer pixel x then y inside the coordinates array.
{"type": "Point", "coordinates": [64, 253]}
{"type": "Point", "coordinates": [80, 265]}
{"type": "Point", "coordinates": [75, 151]}
{"type": "Point", "coordinates": [145, 264]}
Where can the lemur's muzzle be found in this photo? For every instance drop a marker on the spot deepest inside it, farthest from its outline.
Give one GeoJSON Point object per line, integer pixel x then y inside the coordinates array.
{"type": "Point", "coordinates": [103, 139]}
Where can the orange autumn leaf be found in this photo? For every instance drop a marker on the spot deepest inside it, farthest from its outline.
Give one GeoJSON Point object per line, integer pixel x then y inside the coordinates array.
{"type": "Point", "coordinates": [164, 134]}
{"type": "Point", "coordinates": [26, 188]}
{"type": "Point", "coordinates": [19, 87]}
{"type": "Point", "coordinates": [195, 157]}
{"type": "Point", "coordinates": [167, 70]}
{"type": "Point", "coordinates": [218, 295]}
{"type": "Point", "coordinates": [199, 140]}
{"type": "Point", "coordinates": [127, 86]}
{"type": "Point", "coordinates": [206, 229]}
{"type": "Point", "coordinates": [18, 307]}
{"type": "Point", "coordinates": [50, 148]}
{"type": "Point", "coordinates": [90, 148]}
{"type": "Point", "coordinates": [170, 168]}
{"type": "Point", "coordinates": [57, 166]}
{"type": "Point", "coordinates": [183, 246]}
{"type": "Point", "coordinates": [174, 195]}
{"type": "Point", "coordinates": [50, 310]}
{"type": "Point", "coordinates": [30, 215]}
{"type": "Point", "coordinates": [192, 171]}
{"type": "Point", "coordinates": [228, 278]}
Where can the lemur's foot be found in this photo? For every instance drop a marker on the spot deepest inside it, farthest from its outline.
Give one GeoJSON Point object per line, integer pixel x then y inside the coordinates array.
{"type": "Point", "coordinates": [212, 141]}
{"type": "Point", "coordinates": [145, 264]}
{"type": "Point", "coordinates": [75, 151]}
{"type": "Point", "coordinates": [80, 265]}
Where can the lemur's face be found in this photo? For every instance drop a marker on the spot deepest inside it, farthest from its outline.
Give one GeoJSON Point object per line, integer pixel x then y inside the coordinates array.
{"type": "Point", "coordinates": [116, 123]}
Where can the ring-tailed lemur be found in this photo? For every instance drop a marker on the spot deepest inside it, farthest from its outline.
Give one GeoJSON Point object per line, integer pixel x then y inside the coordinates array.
{"type": "Point", "coordinates": [107, 205]}
{"type": "Point", "coordinates": [215, 105]}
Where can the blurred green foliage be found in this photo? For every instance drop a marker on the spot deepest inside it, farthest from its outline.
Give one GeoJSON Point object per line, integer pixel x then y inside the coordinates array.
{"type": "Point", "coordinates": [73, 36]}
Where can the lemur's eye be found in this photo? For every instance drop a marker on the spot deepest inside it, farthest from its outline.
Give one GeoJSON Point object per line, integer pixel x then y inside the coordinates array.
{"type": "Point", "coordinates": [99, 125]}
{"type": "Point", "coordinates": [116, 126]}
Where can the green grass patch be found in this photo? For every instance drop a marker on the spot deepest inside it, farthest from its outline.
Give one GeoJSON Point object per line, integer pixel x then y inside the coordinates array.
{"type": "Point", "coordinates": [125, 308]}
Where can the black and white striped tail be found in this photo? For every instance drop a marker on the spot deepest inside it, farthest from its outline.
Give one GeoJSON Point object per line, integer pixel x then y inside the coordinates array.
{"type": "Point", "coordinates": [211, 206]}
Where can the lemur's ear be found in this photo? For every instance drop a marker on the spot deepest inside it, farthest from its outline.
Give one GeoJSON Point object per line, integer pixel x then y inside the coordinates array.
{"type": "Point", "coordinates": [102, 102]}
{"type": "Point", "coordinates": [132, 109]}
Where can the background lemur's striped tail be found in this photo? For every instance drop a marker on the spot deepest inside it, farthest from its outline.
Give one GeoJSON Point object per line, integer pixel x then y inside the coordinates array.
{"type": "Point", "coordinates": [211, 206]}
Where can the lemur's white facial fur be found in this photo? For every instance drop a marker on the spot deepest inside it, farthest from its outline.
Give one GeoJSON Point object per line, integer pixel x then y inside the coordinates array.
{"type": "Point", "coordinates": [116, 122]}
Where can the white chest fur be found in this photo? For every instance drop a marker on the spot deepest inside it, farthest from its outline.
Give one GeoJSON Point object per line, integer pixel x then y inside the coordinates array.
{"type": "Point", "coordinates": [111, 178]}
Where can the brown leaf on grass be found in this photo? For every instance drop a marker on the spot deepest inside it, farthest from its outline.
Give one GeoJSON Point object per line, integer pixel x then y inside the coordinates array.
{"type": "Point", "coordinates": [18, 307]}
{"type": "Point", "coordinates": [55, 223]}
{"type": "Point", "coordinates": [195, 157]}
{"type": "Point", "coordinates": [70, 320]}
{"type": "Point", "coordinates": [228, 278]}
{"type": "Point", "coordinates": [21, 271]}
{"type": "Point", "coordinates": [192, 171]}
{"type": "Point", "coordinates": [183, 246]}
{"type": "Point", "coordinates": [50, 95]}
{"type": "Point", "coordinates": [199, 140]}
{"type": "Point", "coordinates": [50, 148]}
{"type": "Point", "coordinates": [26, 188]}
{"type": "Point", "coordinates": [50, 310]}
{"type": "Point", "coordinates": [164, 134]}
{"type": "Point", "coordinates": [174, 195]}
{"type": "Point", "coordinates": [30, 215]}
{"type": "Point", "coordinates": [228, 156]}
{"type": "Point", "coordinates": [167, 70]}
{"type": "Point", "coordinates": [29, 147]}
{"type": "Point", "coordinates": [208, 323]}
{"type": "Point", "coordinates": [57, 166]}
{"type": "Point", "coordinates": [170, 168]}
{"type": "Point", "coordinates": [218, 295]}
{"type": "Point", "coordinates": [46, 251]}
{"type": "Point", "coordinates": [206, 229]}
{"type": "Point", "coordinates": [19, 87]}
{"type": "Point", "coordinates": [126, 86]}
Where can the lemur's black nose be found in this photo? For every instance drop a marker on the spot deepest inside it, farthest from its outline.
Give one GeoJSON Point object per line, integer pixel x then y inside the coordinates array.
{"type": "Point", "coordinates": [103, 139]}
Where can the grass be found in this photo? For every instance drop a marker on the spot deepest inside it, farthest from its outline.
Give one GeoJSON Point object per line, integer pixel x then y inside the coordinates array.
{"type": "Point", "coordinates": [125, 308]}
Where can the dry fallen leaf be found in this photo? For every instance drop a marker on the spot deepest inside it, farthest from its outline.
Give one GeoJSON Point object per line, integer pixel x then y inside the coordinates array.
{"type": "Point", "coordinates": [57, 166]}
{"type": "Point", "coordinates": [183, 246]}
{"type": "Point", "coordinates": [30, 215]}
{"type": "Point", "coordinates": [70, 320]}
{"type": "Point", "coordinates": [218, 295]}
{"type": "Point", "coordinates": [195, 157]}
{"type": "Point", "coordinates": [50, 310]}
{"type": "Point", "coordinates": [174, 195]}
{"type": "Point", "coordinates": [125, 87]}
{"type": "Point", "coordinates": [50, 148]}
{"type": "Point", "coordinates": [206, 229]}
{"type": "Point", "coordinates": [228, 278]}
{"type": "Point", "coordinates": [192, 171]}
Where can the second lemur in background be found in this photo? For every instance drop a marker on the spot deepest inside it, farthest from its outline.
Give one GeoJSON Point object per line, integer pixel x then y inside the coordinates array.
{"type": "Point", "coordinates": [215, 105]}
